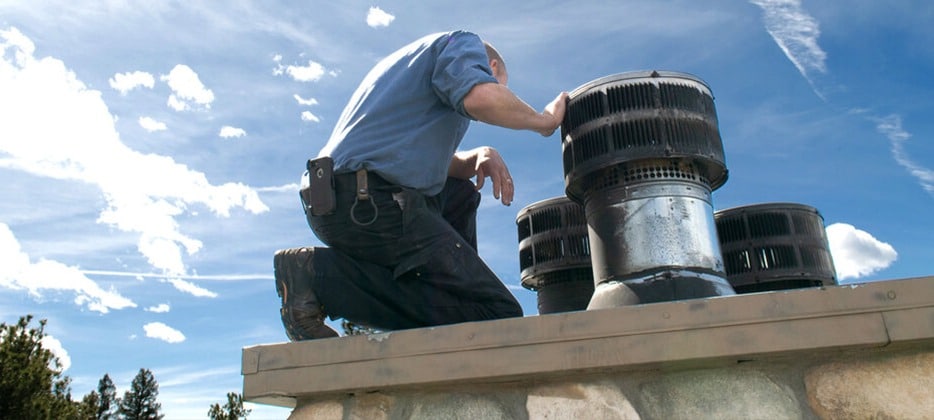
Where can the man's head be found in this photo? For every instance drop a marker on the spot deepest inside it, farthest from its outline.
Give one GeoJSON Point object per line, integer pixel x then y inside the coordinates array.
{"type": "Point", "coordinates": [497, 64]}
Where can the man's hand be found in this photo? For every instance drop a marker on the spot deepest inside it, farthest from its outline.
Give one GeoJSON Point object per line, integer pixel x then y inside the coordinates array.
{"type": "Point", "coordinates": [495, 104]}
{"type": "Point", "coordinates": [489, 163]}
{"type": "Point", "coordinates": [555, 110]}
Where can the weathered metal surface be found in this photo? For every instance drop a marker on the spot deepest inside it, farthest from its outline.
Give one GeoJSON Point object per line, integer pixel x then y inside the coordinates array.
{"type": "Point", "coordinates": [642, 152]}
{"type": "Point", "coordinates": [629, 117]}
{"type": "Point", "coordinates": [552, 239]}
{"type": "Point", "coordinates": [554, 254]}
{"type": "Point", "coordinates": [774, 246]}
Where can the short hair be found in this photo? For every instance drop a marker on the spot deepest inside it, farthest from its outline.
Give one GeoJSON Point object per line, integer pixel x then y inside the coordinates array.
{"type": "Point", "coordinates": [494, 55]}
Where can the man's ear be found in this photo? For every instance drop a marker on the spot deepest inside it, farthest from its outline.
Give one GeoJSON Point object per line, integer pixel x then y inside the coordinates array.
{"type": "Point", "coordinates": [496, 67]}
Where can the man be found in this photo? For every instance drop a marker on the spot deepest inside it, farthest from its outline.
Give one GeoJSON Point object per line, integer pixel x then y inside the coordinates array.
{"type": "Point", "coordinates": [402, 241]}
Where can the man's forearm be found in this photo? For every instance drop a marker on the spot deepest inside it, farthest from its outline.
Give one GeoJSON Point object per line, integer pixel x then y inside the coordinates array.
{"type": "Point", "coordinates": [463, 164]}
{"type": "Point", "coordinates": [495, 104]}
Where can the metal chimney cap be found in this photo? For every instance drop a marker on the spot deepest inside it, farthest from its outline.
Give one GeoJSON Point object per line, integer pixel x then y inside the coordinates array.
{"type": "Point", "coordinates": [757, 207]}
{"type": "Point", "coordinates": [640, 74]}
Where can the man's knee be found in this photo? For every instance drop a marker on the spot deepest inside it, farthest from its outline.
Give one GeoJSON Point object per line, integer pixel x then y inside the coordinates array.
{"type": "Point", "coordinates": [505, 309]}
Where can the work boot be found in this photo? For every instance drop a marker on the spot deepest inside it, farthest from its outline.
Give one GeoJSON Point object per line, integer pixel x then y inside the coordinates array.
{"type": "Point", "coordinates": [302, 314]}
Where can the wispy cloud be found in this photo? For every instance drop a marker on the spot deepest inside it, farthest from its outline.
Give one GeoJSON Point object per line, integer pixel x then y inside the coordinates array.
{"type": "Point", "coordinates": [35, 88]}
{"type": "Point", "coordinates": [125, 82]}
{"type": "Point", "coordinates": [188, 388]}
{"type": "Point", "coordinates": [19, 273]}
{"type": "Point", "coordinates": [303, 101]}
{"type": "Point", "coordinates": [796, 33]}
{"type": "Point", "coordinates": [857, 253]}
{"type": "Point", "coordinates": [891, 127]}
{"type": "Point", "coordinates": [163, 332]}
{"type": "Point", "coordinates": [377, 17]}
{"type": "Point", "coordinates": [308, 116]}
{"type": "Point", "coordinates": [191, 288]}
{"type": "Point", "coordinates": [187, 89]}
{"type": "Point", "coordinates": [187, 375]}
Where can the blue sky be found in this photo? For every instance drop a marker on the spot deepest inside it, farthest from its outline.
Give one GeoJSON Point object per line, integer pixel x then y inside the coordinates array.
{"type": "Point", "coordinates": [150, 151]}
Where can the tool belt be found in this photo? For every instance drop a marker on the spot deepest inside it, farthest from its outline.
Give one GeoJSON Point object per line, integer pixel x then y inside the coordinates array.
{"type": "Point", "coordinates": [318, 197]}
{"type": "Point", "coordinates": [361, 183]}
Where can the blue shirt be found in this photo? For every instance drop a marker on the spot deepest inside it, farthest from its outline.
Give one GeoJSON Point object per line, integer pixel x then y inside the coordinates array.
{"type": "Point", "coordinates": [407, 117]}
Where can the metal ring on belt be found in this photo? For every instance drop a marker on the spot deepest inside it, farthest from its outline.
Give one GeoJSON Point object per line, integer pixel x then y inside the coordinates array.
{"type": "Point", "coordinates": [354, 218]}
{"type": "Point", "coordinates": [363, 193]}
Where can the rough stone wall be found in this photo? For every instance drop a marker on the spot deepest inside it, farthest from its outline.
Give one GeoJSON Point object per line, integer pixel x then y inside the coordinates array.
{"type": "Point", "coordinates": [893, 387]}
{"type": "Point", "coordinates": [848, 386]}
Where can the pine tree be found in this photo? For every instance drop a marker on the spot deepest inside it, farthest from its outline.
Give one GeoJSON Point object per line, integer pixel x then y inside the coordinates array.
{"type": "Point", "coordinates": [139, 403]}
{"type": "Point", "coordinates": [88, 406]}
{"type": "Point", "coordinates": [233, 410]}
{"type": "Point", "coordinates": [31, 382]}
{"type": "Point", "coordinates": [107, 404]}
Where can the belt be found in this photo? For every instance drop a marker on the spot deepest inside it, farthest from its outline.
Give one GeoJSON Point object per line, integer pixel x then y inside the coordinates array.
{"type": "Point", "coordinates": [361, 183]}
{"type": "Point", "coordinates": [348, 181]}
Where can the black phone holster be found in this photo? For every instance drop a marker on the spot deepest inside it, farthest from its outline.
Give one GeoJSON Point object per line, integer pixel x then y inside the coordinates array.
{"type": "Point", "coordinates": [318, 196]}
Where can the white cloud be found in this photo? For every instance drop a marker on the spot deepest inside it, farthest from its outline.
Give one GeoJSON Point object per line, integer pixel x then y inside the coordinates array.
{"type": "Point", "coordinates": [856, 253]}
{"type": "Point", "coordinates": [177, 104]}
{"type": "Point", "coordinates": [53, 345]}
{"type": "Point", "coordinates": [891, 127]}
{"type": "Point", "coordinates": [376, 17]}
{"type": "Point", "coordinates": [160, 308]}
{"type": "Point", "coordinates": [18, 273]}
{"type": "Point", "coordinates": [228, 132]}
{"type": "Point", "coordinates": [191, 288]}
{"type": "Point", "coordinates": [796, 34]}
{"type": "Point", "coordinates": [150, 124]}
{"type": "Point", "coordinates": [187, 87]}
{"type": "Point", "coordinates": [308, 116]}
{"type": "Point", "coordinates": [36, 88]}
{"type": "Point", "coordinates": [163, 332]}
{"type": "Point", "coordinates": [303, 101]}
{"type": "Point", "coordinates": [310, 73]}
{"type": "Point", "coordinates": [125, 82]}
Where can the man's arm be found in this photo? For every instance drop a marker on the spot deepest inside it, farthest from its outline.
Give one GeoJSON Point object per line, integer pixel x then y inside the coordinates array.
{"type": "Point", "coordinates": [484, 162]}
{"type": "Point", "coordinates": [495, 104]}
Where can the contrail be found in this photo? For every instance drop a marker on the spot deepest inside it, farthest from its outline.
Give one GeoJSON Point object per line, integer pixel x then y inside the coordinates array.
{"type": "Point", "coordinates": [796, 33]}
{"type": "Point", "coordinates": [216, 277]}
{"type": "Point", "coordinates": [281, 188]}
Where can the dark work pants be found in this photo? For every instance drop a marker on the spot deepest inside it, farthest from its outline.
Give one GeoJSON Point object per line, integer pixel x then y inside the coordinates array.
{"type": "Point", "coordinates": [416, 265]}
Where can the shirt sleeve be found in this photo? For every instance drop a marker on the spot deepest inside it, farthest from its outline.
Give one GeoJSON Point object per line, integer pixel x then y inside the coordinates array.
{"type": "Point", "coordinates": [461, 64]}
